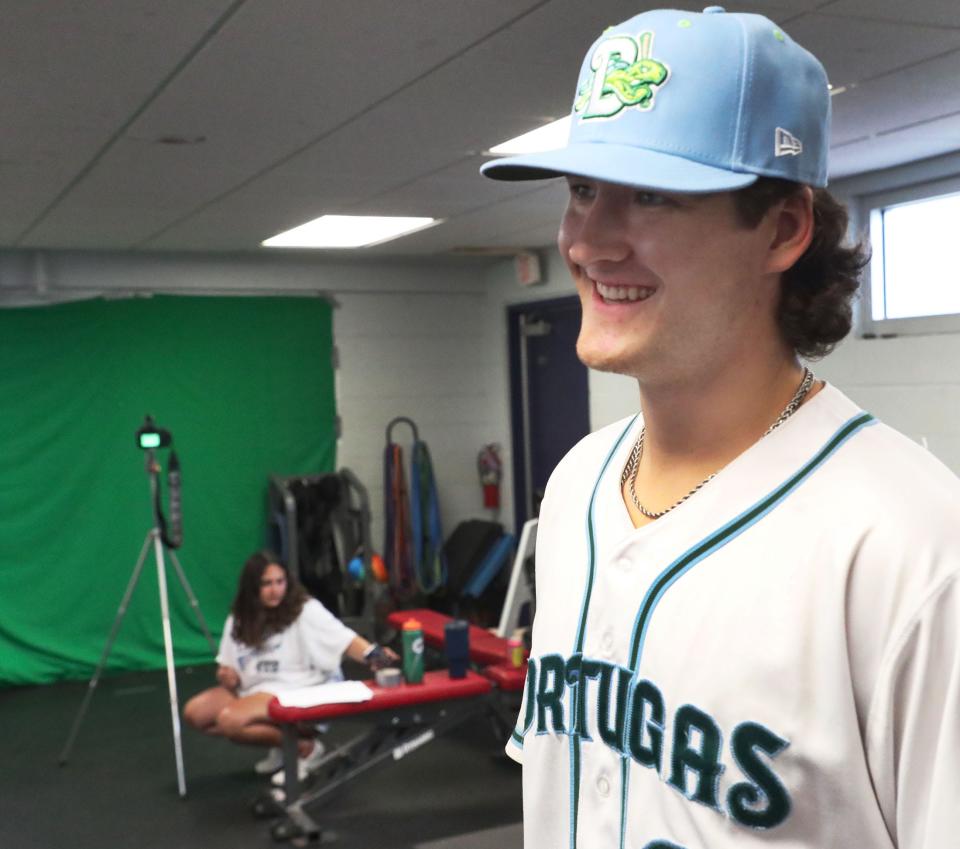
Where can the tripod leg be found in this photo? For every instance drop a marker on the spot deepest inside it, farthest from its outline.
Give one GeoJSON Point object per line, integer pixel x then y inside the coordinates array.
{"type": "Point", "coordinates": [171, 672]}
{"type": "Point", "coordinates": [193, 600]}
{"type": "Point", "coordinates": [131, 585]}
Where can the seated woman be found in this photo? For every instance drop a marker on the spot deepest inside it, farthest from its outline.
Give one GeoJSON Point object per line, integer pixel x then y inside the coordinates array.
{"type": "Point", "coordinates": [276, 638]}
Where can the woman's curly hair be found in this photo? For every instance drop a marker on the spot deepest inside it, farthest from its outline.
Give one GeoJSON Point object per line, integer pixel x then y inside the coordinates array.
{"type": "Point", "coordinates": [252, 622]}
{"type": "Point", "coordinates": [815, 310]}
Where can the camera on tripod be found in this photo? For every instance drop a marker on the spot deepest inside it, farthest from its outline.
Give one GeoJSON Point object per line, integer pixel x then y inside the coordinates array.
{"type": "Point", "coordinates": [149, 436]}
{"type": "Point", "coordinates": [163, 537]}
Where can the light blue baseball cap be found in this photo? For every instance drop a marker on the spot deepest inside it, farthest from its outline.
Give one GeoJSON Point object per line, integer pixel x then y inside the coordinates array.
{"type": "Point", "coordinates": [691, 102]}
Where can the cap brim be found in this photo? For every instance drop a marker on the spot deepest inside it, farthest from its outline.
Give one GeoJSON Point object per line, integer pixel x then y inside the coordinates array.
{"type": "Point", "coordinates": [623, 164]}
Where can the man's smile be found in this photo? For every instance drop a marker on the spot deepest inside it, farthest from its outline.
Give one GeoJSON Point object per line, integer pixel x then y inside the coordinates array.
{"type": "Point", "coordinates": [611, 294]}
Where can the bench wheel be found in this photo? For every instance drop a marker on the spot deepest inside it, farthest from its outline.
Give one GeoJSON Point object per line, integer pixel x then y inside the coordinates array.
{"type": "Point", "coordinates": [266, 806]}
{"type": "Point", "coordinates": [286, 829]}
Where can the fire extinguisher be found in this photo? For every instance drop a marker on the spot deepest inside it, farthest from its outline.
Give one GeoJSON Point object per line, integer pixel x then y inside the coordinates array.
{"type": "Point", "coordinates": [490, 469]}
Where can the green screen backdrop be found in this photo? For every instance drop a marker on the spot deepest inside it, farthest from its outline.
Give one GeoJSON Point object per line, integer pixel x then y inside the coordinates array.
{"type": "Point", "coordinates": [246, 387]}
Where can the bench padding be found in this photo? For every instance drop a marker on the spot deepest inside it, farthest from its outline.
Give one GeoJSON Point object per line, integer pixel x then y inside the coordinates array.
{"type": "Point", "coordinates": [437, 686]}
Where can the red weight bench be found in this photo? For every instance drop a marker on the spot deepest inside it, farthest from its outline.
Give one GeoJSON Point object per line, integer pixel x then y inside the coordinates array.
{"type": "Point", "coordinates": [405, 718]}
{"type": "Point", "coordinates": [488, 652]}
{"type": "Point", "coordinates": [489, 655]}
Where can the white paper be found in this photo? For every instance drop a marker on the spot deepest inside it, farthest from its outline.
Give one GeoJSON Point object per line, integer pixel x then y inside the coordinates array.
{"type": "Point", "coordinates": [338, 692]}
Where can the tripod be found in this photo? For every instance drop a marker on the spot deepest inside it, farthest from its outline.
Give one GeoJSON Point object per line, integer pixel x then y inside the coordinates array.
{"type": "Point", "coordinates": [155, 539]}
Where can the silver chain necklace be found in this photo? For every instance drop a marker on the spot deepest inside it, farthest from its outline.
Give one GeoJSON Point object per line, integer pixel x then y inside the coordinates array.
{"type": "Point", "coordinates": [633, 464]}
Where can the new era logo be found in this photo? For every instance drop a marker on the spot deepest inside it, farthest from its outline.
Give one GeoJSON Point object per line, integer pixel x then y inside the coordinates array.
{"type": "Point", "coordinates": [786, 144]}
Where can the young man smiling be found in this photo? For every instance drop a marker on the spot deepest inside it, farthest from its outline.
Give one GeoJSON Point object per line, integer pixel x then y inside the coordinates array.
{"type": "Point", "coordinates": [748, 597]}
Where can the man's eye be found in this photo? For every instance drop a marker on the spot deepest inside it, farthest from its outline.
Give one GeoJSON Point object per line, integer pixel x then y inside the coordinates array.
{"type": "Point", "coordinates": [581, 191]}
{"type": "Point", "coordinates": [645, 198]}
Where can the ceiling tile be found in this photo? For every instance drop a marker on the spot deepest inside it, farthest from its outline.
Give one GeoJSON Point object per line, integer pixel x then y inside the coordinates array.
{"type": "Point", "coordinates": [61, 96]}
{"type": "Point", "coordinates": [925, 91]}
{"type": "Point", "coordinates": [308, 107]}
{"type": "Point", "coordinates": [269, 85]}
{"type": "Point", "coordinates": [940, 13]}
{"type": "Point", "coordinates": [855, 50]}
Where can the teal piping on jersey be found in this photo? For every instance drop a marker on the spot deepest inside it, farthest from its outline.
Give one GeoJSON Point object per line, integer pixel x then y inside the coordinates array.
{"type": "Point", "coordinates": [585, 607]}
{"type": "Point", "coordinates": [716, 541]}
{"type": "Point", "coordinates": [574, 787]}
{"type": "Point", "coordinates": [624, 794]}
{"type": "Point", "coordinates": [730, 531]}
{"type": "Point", "coordinates": [578, 645]}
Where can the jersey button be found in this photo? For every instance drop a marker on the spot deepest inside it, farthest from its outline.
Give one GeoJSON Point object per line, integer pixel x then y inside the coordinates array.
{"type": "Point", "coordinates": [606, 644]}
{"type": "Point", "coordinates": [603, 786]}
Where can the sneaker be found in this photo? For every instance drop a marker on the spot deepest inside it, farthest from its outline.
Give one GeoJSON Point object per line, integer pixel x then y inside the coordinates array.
{"type": "Point", "coordinates": [271, 763]}
{"type": "Point", "coordinates": [304, 765]}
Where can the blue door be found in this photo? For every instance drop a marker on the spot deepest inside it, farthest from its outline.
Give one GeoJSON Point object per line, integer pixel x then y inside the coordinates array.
{"type": "Point", "coordinates": [549, 397]}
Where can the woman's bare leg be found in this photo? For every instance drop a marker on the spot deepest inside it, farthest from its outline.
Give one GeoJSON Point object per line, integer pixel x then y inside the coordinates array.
{"type": "Point", "coordinates": [245, 720]}
{"type": "Point", "coordinates": [221, 713]}
{"type": "Point", "coordinates": [202, 710]}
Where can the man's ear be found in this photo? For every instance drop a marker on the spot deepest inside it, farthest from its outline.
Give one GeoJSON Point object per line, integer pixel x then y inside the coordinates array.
{"type": "Point", "coordinates": [792, 230]}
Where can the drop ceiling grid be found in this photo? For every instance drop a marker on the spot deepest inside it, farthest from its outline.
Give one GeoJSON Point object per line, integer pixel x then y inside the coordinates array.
{"type": "Point", "coordinates": [440, 121]}
{"type": "Point", "coordinates": [512, 233]}
{"type": "Point", "coordinates": [244, 224]}
{"type": "Point", "coordinates": [444, 117]}
{"type": "Point", "coordinates": [777, 10]}
{"type": "Point", "coordinates": [434, 134]}
{"type": "Point", "coordinates": [291, 81]}
{"type": "Point", "coordinates": [61, 96]}
{"type": "Point", "coordinates": [448, 113]}
{"type": "Point", "coordinates": [454, 190]}
{"type": "Point", "coordinates": [257, 211]}
{"type": "Point", "coordinates": [505, 223]}
{"type": "Point", "coordinates": [433, 125]}
{"type": "Point", "coordinates": [942, 13]}
{"type": "Point", "coordinates": [242, 139]}
{"type": "Point", "coordinates": [920, 92]}
{"type": "Point", "coordinates": [854, 50]}
{"type": "Point", "coordinates": [74, 73]}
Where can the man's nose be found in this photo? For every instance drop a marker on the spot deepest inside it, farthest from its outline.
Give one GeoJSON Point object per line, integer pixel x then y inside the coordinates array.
{"type": "Point", "coordinates": [597, 234]}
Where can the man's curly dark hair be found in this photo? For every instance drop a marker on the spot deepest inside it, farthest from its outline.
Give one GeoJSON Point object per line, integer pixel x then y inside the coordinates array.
{"type": "Point", "coordinates": [815, 310]}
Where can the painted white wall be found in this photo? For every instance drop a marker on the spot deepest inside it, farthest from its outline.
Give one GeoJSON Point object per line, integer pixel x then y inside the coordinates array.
{"type": "Point", "coordinates": [911, 383]}
{"type": "Point", "coordinates": [423, 356]}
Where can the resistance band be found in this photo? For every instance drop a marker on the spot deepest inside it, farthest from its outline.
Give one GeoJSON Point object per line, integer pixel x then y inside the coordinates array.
{"type": "Point", "coordinates": [398, 544]}
{"type": "Point", "coordinates": [428, 559]}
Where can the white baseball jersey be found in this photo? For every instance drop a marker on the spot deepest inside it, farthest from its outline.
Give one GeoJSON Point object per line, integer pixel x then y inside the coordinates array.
{"type": "Point", "coordinates": [776, 662]}
{"type": "Point", "coordinates": [307, 652]}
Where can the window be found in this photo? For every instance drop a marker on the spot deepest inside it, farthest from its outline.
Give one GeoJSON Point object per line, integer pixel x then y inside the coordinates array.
{"type": "Point", "coordinates": [914, 282]}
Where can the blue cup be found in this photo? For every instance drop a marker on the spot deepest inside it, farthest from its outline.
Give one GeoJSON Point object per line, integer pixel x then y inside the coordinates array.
{"type": "Point", "coordinates": [456, 643]}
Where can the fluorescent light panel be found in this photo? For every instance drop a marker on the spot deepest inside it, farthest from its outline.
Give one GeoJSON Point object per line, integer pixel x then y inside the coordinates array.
{"type": "Point", "coordinates": [348, 231]}
{"type": "Point", "coordinates": [548, 137]}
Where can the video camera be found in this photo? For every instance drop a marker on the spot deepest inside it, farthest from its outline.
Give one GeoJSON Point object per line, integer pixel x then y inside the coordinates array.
{"type": "Point", "coordinates": [149, 438]}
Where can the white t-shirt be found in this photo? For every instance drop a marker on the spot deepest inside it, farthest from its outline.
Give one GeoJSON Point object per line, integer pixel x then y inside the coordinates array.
{"type": "Point", "coordinates": [774, 663]}
{"type": "Point", "coordinates": [308, 652]}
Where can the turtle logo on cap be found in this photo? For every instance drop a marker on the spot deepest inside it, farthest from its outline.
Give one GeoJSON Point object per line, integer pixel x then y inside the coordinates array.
{"type": "Point", "coordinates": [621, 74]}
